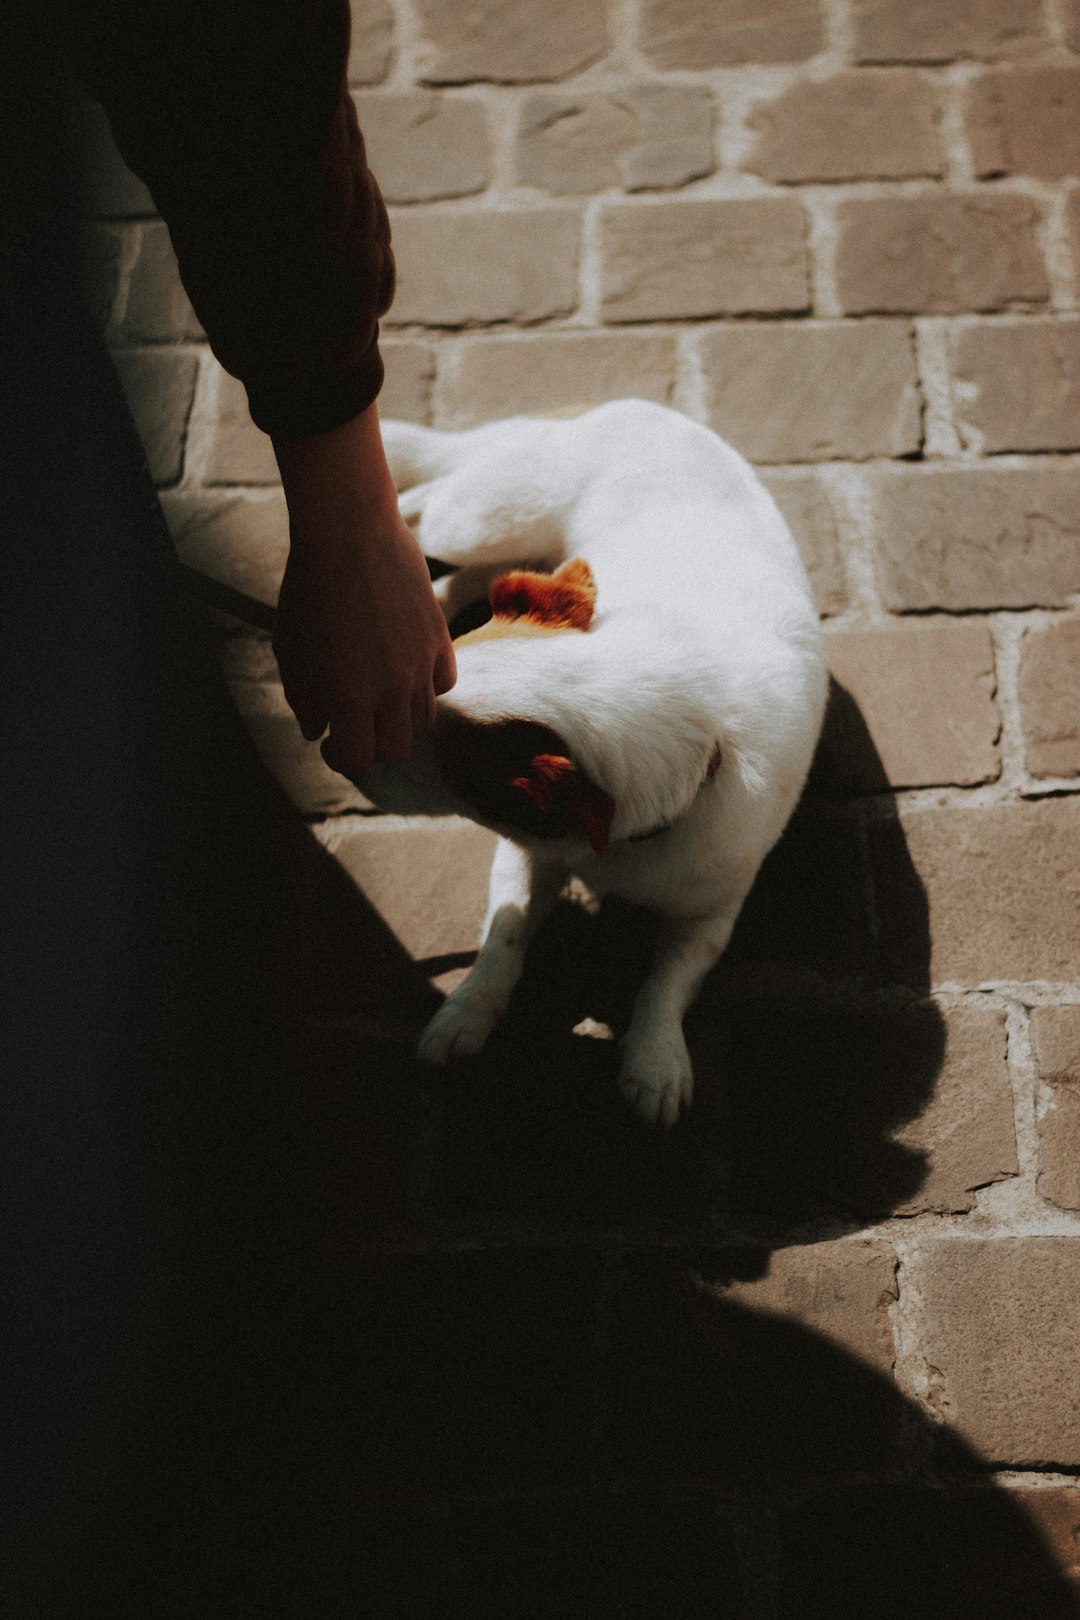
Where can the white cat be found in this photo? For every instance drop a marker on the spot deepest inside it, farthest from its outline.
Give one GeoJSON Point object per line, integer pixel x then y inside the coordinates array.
{"type": "Point", "coordinates": [643, 717]}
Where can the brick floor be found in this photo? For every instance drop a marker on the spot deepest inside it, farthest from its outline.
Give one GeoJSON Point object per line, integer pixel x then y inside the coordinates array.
{"type": "Point", "coordinates": [757, 1368]}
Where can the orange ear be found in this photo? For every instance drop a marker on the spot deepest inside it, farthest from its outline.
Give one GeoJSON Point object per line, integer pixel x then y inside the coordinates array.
{"type": "Point", "coordinates": [567, 797]}
{"type": "Point", "coordinates": [564, 600]}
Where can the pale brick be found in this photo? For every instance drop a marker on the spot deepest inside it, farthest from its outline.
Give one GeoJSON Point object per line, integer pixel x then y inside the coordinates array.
{"type": "Point", "coordinates": [813, 392]}
{"type": "Point", "coordinates": [667, 260]}
{"type": "Point", "coordinates": [240, 539]}
{"type": "Point", "coordinates": [928, 31]}
{"type": "Point", "coordinates": [842, 1290]}
{"type": "Point", "coordinates": [240, 453]}
{"type": "Point", "coordinates": [1025, 122]}
{"type": "Point", "coordinates": [157, 309]}
{"type": "Point", "coordinates": [1055, 1035]}
{"type": "Point", "coordinates": [941, 254]}
{"type": "Point", "coordinates": [428, 881]}
{"type": "Point", "coordinates": [1050, 699]}
{"type": "Point", "coordinates": [643, 137]}
{"type": "Point", "coordinates": [924, 696]}
{"type": "Point", "coordinates": [490, 377]}
{"type": "Point", "coordinates": [687, 34]}
{"type": "Point", "coordinates": [1001, 1323]}
{"type": "Point", "coordinates": [297, 764]}
{"type": "Point", "coordinates": [508, 43]}
{"type": "Point", "coordinates": [853, 126]}
{"type": "Point", "coordinates": [106, 187]}
{"type": "Point", "coordinates": [1017, 384]}
{"type": "Point", "coordinates": [159, 386]}
{"type": "Point", "coordinates": [371, 41]}
{"type": "Point", "coordinates": [410, 376]}
{"type": "Point", "coordinates": [462, 267]}
{"type": "Point", "coordinates": [101, 262]}
{"type": "Point", "coordinates": [422, 145]}
{"type": "Point", "coordinates": [976, 537]}
{"type": "Point", "coordinates": [1072, 24]}
{"type": "Point", "coordinates": [997, 887]}
{"type": "Point", "coordinates": [809, 514]}
{"type": "Point", "coordinates": [1072, 226]}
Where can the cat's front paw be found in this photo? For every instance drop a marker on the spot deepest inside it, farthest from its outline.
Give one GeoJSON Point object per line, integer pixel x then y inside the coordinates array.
{"type": "Point", "coordinates": [657, 1078]}
{"type": "Point", "coordinates": [459, 1029]}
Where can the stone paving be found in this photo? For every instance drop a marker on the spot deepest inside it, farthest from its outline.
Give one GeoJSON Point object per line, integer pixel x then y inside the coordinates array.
{"type": "Point", "coordinates": [815, 1352]}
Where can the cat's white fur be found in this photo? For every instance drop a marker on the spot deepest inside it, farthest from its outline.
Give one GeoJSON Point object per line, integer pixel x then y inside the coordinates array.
{"type": "Point", "coordinates": [705, 635]}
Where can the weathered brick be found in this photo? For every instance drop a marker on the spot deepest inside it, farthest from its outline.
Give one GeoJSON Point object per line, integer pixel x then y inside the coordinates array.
{"type": "Point", "coordinates": [101, 259]}
{"type": "Point", "coordinates": [1000, 1328]}
{"type": "Point", "coordinates": [842, 1290]}
{"type": "Point", "coordinates": [1025, 121]}
{"type": "Point", "coordinates": [159, 386]}
{"type": "Point", "coordinates": [813, 392]}
{"type": "Point", "coordinates": [428, 881]}
{"type": "Point", "coordinates": [371, 41]}
{"type": "Point", "coordinates": [157, 309]}
{"type": "Point", "coordinates": [240, 539]}
{"type": "Point", "coordinates": [1017, 384]}
{"type": "Point", "coordinates": [297, 764]}
{"type": "Point", "coordinates": [924, 696]}
{"type": "Point", "coordinates": [502, 42]}
{"type": "Point", "coordinates": [667, 260]}
{"type": "Point", "coordinates": [1055, 1509]}
{"type": "Point", "coordinates": [853, 126]}
{"type": "Point", "coordinates": [106, 187]}
{"type": "Point", "coordinates": [410, 377]}
{"type": "Point", "coordinates": [941, 254]}
{"type": "Point", "coordinates": [976, 537]}
{"type": "Point", "coordinates": [240, 453]}
{"type": "Point", "coordinates": [1055, 1035]}
{"type": "Point", "coordinates": [489, 377]}
{"type": "Point", "coordinates": [1072, 24]}
{"type": "Point", "coordinates": [1050, 699]}
{"type": "Point", "coordinates": [996, 887]}
{"type": "Point", "coordinates": [459, 267]}
{"type": "Point", "coordinates": [1072, 225]}
{"type": "Point", "coordinates": [686, 34]}
{"type": "Point", "coordinates": [422, 145]}
{"type": "Point", "coordinates": [927, 31]}
{"type": "Point", "coordinates": [809, 515]}
{"type": "Point", "coordinates": [644, 137]}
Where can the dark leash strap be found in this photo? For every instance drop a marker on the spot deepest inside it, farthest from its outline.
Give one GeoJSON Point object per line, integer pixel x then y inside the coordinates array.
{"type": "Point", "coordinates": [212, 593]}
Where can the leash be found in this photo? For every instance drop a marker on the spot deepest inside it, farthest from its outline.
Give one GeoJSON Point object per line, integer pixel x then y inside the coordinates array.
{"type": "Point", "coordinates": [213, 593]}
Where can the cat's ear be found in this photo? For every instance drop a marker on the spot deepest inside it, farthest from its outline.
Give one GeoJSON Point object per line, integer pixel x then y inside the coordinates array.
{"type": "Point", "coordinates": [570, 805]}
{"type": "Point", "coordinates": [564, 600]}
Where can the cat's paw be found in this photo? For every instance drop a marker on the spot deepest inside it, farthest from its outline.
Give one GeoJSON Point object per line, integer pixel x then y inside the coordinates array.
{"type": "Point", "coordinates": [657, 1077]}
{"type": "Point", "coordinates": [459, 1029]}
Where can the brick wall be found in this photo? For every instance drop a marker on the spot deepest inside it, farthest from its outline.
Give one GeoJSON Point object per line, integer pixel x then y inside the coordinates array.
{"type": "Point", "coordinates": [847, 236]}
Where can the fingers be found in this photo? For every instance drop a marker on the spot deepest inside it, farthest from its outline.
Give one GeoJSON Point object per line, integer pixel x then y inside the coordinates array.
{"type": "Point", "coordinates": [445, 672]}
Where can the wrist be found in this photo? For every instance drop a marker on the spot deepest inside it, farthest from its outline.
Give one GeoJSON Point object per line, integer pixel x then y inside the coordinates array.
{"type": "Point", "coordinates": [338, 476]}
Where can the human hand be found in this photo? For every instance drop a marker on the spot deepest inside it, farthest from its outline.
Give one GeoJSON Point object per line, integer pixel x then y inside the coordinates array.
{"type": "Point", "coordinates": [361, 643]}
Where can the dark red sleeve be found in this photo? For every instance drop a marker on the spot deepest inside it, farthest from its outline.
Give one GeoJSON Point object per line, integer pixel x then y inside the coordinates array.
{"type": "Point", "coordinates": [237, 115]}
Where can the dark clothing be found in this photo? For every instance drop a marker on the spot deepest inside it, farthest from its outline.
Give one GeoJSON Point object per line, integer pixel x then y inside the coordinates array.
{"type": "Point", "coordinates": [238, 118]}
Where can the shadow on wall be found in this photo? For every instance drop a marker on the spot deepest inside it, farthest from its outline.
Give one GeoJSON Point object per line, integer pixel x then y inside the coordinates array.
{"type": "Point", "coordinates": [279, 1341]}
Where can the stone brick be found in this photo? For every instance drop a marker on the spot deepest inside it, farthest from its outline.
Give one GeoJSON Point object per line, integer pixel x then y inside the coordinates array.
{"type": "Point", "coordinates": [460, 267]}
{"type": "Point", "coordinates": [490, 377]}
{"type": "Point", "coordinates": [925, 701]}
{"type": "Point", "coordinates": [1017, 384]}
{"type": "Point", "coordinates": [1055, 1509]}
{"type": "Point", "coordinates": [853, 126]}
{"type": "Point", "coordinates": [686, 34]}
{"type": "Point", "coordinates": [427, 880]}
{"type": "Point", "coordinates": [106, 187]}
{"type": "Point", "coordinates": [157, 309]}
{"type": "Point", "coordinates": [1072, 24]}
{"type": "Point", "coordinates": [371, 41]}
{"type": "Point", "coordinates": [297, 764]}
{"type": "Point", "coordinates": [976, 537]}
{"type": "Point", "coordinates": [1000, 885]}
{"type": "Point", "coordinates": [1026, 121]}
{"type": "Point", "coordinates": [939, 254]}
{"type": "Point", "coordinates": [841, 1289]}
{"type": "Point", "coordinates": [1072, 224]}
{"type": "Point", "coordinates": [1050, 699]}
{"type": "Point", "coordinates": [240, 539]}
{"type": "Point", "coordinates": [422, 145]}
{"type": "Point", "coordinates": [667, 260]}
{"type": "Point", "coordinates": [808, 512]}
{"type": "Point", "coordinates": [927, 31]}
{"type": "Point", "coordinates": [919, 1552]}
{"type": "Point", "coordinates": [644, 137]}
{"type": "Point", "coordinates": [240, 453]}
{"type": "Point", "coordinates": [101, 262]}
{"type": "Point", "coordinates": [410, 377]}
{"type": "Point", "coordinates": [1001, 1319]}
{"type": "Point", "coordinates": [813, 392]}
{"type": "Point", "coordinates": [502, 42]}
{"type": "Point", "coordinates": [159, 386]}
{"type": "Point", "coordinates": [1056, 1039]}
